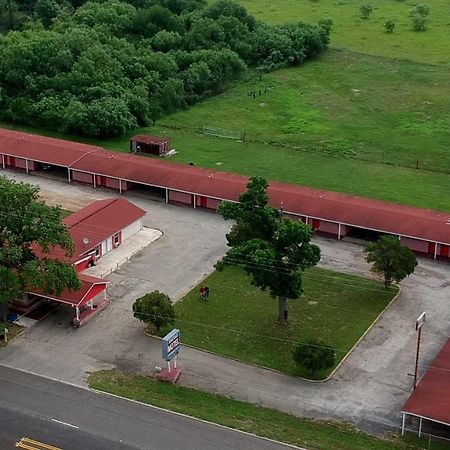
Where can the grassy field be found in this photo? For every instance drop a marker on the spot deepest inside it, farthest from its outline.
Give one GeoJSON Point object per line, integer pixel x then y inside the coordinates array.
{"type": "Point", "coordinates": [313, 434]}
{"type": "Point", "coordinates": [368, 36]}
{"type": "Point", "coordinates": [239, 320]}
{"type": "Point", "coordinates": [339, 106]}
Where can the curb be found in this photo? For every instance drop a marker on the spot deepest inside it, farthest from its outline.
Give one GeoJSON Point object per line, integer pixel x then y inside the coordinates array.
{"type": "Point", "coordinates": [236, 430]}
{"type": "Point", "coordinates": [288, 374]}
{"type": "Point", "coordinates": [363, 335]}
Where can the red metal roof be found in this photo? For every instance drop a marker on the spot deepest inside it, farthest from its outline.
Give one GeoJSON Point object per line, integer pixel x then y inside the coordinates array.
{"type": "Point", "coordinates": [41, 148]}
{"type": "Point", "coordinates": [91, 286]}
{"type": "Point", "coordinates": [361, 212]}
{"type": "Point", "coordinates": [148, 139]}
{"type": "Point", "coordinates": [431, 398]}
{"type": "Point", "coordinates": [95, 222]}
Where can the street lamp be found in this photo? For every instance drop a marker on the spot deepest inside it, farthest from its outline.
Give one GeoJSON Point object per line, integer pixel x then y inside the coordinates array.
{"type": "Point", "coordinates": [419, 322]}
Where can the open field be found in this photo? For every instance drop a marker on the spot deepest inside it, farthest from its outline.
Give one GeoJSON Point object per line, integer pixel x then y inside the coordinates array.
{"type": "Point", "coordinates": [239, 320]}
{"type": "Point", "coordinates": [368, 36]}
{"type": "Point", "coordinates": [247, 417]}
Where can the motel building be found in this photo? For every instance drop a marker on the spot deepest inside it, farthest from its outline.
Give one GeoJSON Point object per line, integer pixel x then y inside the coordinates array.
{"type": "Point", "coordinates": [333, 214]}
{"type": "Point", "coordinates": [96, 230]}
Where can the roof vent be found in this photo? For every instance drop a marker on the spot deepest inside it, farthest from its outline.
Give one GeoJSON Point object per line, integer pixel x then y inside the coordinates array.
{"type": "Point", "coordinates": [86, 241]}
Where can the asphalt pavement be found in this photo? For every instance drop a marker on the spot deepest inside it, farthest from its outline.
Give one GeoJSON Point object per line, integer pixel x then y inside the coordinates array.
{"type": "Point", "coordinates": [72, 418]}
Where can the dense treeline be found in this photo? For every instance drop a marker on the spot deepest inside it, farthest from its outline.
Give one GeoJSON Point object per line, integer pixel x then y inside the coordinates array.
{"type": "Point", "coordinates": [101, 68]}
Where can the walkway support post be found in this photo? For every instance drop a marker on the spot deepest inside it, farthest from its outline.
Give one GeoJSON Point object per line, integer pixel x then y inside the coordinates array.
{"type": "Point", "coordinates": [3, 161]}
{"type": "Point", "coordinates": [167, 195]}
{"type": "Point", "coordinates": [68, 174]}
{"type": "Point", "coordinates": [120, 185]}
{"type": "Point", "coordinates": [403, 424]}
{"type": "Point", "coordinates": [26, 165]}
{"type": "Point", "coordinates": [339, 231]}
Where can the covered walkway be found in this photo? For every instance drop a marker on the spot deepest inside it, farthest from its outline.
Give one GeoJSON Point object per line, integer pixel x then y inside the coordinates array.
{"type": "Point", "coordinates": [430, 401]}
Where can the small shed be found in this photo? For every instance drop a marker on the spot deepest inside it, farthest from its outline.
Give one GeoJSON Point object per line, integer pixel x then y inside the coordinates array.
{"type": "Point", "coordinates": [155, 145]}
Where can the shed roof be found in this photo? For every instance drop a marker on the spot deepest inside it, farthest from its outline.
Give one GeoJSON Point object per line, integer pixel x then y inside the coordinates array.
{"type": "Point", "coordinates": [148, 139]}
{"type": "Point", "coordinates": [431, 398]}
{"type": "Point", "coordinates": [361, 212]}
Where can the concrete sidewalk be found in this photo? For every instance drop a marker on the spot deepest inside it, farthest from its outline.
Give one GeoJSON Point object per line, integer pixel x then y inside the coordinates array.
{"type": "Point", "coordinates": [110, 262]}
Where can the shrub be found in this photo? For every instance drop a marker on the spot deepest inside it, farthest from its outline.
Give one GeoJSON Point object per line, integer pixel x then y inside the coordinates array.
{"type": "Point", "coordinates": [365, 11]}
{"type": "Point", "coordinates": [314, 356]}
{"type": "Point", "coordinates": [154, 308]}
{"type": "Point", "coordinates": [419, 23]}
{"type": "Point", "coordinates": [389, 26]}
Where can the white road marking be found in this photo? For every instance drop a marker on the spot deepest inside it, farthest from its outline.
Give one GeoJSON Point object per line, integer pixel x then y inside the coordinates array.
{"type": "Point", "coordinates": [65, 423]}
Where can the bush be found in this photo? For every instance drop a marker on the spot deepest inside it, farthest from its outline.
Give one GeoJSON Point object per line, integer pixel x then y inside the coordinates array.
{"type": "Point", "coordinates": [365, 11]}
{"type": "Point", "coordinates": [155, 309]}
{"type": "Point", "coordinates": [389, 26]}
{"type": "Point", "coordinates": [419, 23]}
{"type": "Point", "coordinates": [421, 10]}
{"type": "Point", "coordinates": [314, 356]}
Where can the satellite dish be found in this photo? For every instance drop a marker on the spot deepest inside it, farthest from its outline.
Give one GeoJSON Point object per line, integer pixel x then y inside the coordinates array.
{"type": "Point", "coordinates": [86, 241]}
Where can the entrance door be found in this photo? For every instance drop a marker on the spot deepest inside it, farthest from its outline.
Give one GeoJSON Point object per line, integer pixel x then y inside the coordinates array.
{"type": "Point", "coordinates": [431, 247]}
{"type": "Point", "coordinates": [444, 250]}
{"type": "Point", "coordinates": [203, 202]}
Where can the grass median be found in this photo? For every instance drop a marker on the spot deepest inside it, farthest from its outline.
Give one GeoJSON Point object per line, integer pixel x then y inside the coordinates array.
{"type": "Point", "coordinates": [239, 320]}
{"type": "Point", "coordinates": [312, 434]}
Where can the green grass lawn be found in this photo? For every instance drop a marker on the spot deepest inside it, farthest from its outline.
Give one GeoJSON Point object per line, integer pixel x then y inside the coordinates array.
{"type": "Point", "coordinates": [368, 36]}
{"type": "Point", "coordinates": [339, 105]}
{"type": "Point", "coordinates": [239, 320]}
{"type": "Point", "coordinates": [313, 434]}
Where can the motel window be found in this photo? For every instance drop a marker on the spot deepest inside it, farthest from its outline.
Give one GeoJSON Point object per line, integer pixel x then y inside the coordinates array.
{"type": "Point", "coordinates": [97, 251]}
{"type": "Point", "coordinates": [116, 239]}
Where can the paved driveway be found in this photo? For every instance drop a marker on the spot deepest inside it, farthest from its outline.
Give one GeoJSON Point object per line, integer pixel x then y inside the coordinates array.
{"type": "Point", "coordinates": [369, 388]}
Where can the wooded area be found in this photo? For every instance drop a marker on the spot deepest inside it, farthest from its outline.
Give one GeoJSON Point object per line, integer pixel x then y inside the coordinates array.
{"type": "Point", "coordinates": [103, 68]}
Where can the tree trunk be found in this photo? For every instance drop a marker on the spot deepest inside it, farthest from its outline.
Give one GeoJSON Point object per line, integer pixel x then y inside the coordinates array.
{"type": "Point", "coordinates": [282, 309]}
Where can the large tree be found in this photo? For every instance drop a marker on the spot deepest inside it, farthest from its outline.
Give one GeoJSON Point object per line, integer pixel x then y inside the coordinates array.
{"type": "Point", "coordinates": [390, 259]}
{"type": "Point", "coordinates": [272, 249]}
{"type": "Point", "coordinates": [26, 221]}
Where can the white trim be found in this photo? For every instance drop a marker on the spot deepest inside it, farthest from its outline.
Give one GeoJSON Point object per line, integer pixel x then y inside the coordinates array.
{"type": "Point", "coordinates": [425, 417]}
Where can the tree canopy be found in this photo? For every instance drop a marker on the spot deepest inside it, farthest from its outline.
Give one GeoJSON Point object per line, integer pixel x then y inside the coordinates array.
{"type": "Point", "coordinates": [154, 308]}
{"type": "Point", "coordinates": [273, 250]}
{"type": "Point", "coordinates": [101, 68]}
{"type": "Point", "coordinates": [390, 259]}
{"type": "Point", "coordinates": [26, 221]}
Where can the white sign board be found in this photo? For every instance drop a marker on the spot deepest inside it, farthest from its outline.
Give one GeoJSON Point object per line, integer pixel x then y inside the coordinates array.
{"type": "Point", "coordinates": [420, 321]}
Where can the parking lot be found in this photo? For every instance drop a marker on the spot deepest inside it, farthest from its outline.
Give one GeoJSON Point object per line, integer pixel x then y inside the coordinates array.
{"type": "Point", "coordinates": [369, 388]}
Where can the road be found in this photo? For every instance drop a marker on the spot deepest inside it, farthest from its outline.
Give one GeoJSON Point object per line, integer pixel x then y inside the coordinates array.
{"type": "Point", "coordinates": [73, 418]}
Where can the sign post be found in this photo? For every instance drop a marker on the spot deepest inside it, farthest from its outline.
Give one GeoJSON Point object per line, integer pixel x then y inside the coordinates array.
{"type": "Point", "coordinates": [171, 346]}
{"type": "Point", "coordinates": [419, 323]}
